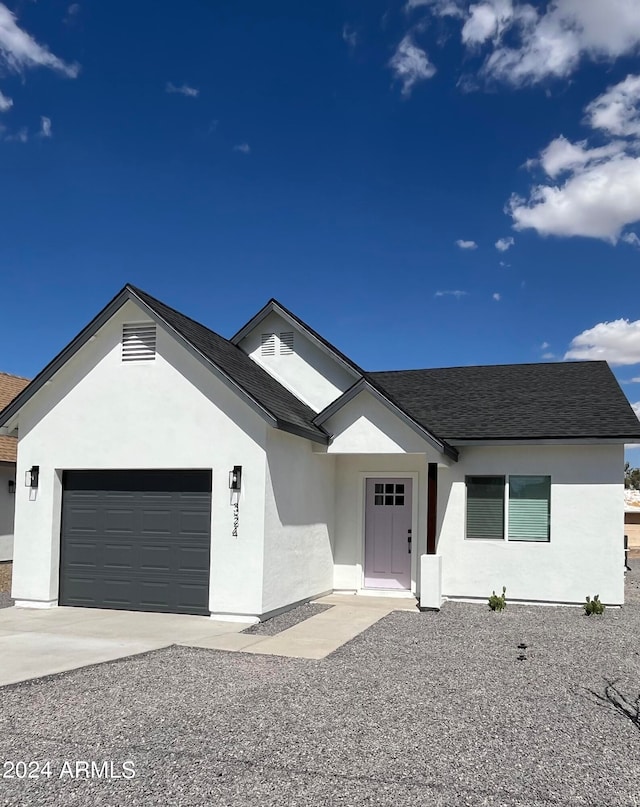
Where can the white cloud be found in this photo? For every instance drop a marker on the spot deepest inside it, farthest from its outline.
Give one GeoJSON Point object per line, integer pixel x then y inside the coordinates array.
{"type": "Point", "coordinates": [45, 127]}
{"type": "Point", "coordinates": [636, 409]}
{"type": "Point", "coordinates": [21, 136]}
{"type": "Point", "coordinates": [635, 380]}
{"type": "Point", "coordinates": [457, 294]}
{"type": "Point", "coordinates": [410, 65]}
{"type": "Point", "coordinates": [19, 51]}
{"type": "Point", "coordinates": [466, 244]}
{"type": "Point", "coordinates": [5, 103]}
{"type": "Point", "coordinates": [503, 244]}
{"type": "Point", "coordinates": [442, 8]}
{"type": "Point", "coordinates": [505, 265]}
{"type": "Point", "coordinates": [616, 110]}
{"type": "Point", "coordinates": [527, 44]}
{"type": "Point", "coordinates": [549, 356]}
{"type": "Point", "coordinates": [243, 148]}
{"type": "Point", "coordinates": [182, 89]}
{"type": "Point", "coordinates": [349, 35]}
{"type": "Point", "coordinates": [631, 239]}
{"type": "Point", "coordinates": [496, 296]}
{"type": "Point", "coordinates": [594, 192]}
{"type": "Point", "coordinates": [617, 342]}
{"type": "Point", "coordinates": [544, 345]}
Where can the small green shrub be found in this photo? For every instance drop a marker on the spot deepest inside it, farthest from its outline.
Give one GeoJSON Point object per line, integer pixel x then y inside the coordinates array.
{"type": "Point", "coordinates": [593, 606]}
{"type": "Point", "coordinates": [498, 603]}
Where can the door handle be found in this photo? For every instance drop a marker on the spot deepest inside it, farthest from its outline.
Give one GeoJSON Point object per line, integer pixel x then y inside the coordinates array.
{"type": "Point", "coordinates": [409, 541]}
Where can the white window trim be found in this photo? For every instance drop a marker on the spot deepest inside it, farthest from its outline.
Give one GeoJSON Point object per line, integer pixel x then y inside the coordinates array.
{"type": "Point", "coordinates": [505, 536]}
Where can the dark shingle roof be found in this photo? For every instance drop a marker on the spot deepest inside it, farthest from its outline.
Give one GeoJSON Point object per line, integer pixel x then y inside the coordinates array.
{"type": "Point", "coordinates": [253, 379]}
{"type": "Point", "coordinates": [515, 401]}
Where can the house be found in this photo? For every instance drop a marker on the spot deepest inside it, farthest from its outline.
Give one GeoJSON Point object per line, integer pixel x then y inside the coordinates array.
{"type": "Point", "coordinates": [171, 469]}
{"type": "Point", "coordinates": [632, 520]}
{"type": "Point", "coordinates": [10, 386]}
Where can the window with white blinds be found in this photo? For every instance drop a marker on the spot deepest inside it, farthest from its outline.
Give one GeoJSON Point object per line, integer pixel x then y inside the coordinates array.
{"type": "Point", "coordinates": [529, 508]}
{"type": "Point", "coordinates": [485, 507]}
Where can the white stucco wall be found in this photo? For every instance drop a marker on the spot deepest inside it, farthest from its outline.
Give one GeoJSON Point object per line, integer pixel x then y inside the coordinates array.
{"type": "Point", "coordinates": [7, 502]}
{"type": "Point", "coordinates": [299, 520]}
{"type": "Point", "coordinates": [310, 372]}
{"type": "Point", "coordinates": [351, 472]}
{"type": "Point", "coordinates": [585, 553]}
{"type": "Point", "coordinates": [101, 413]}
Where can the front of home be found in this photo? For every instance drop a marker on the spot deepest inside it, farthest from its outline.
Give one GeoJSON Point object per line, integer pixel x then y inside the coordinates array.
{"type": "Point", "coordinates": [165, 468]}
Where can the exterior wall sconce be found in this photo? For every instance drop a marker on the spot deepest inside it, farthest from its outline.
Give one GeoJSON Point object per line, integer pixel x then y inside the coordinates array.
{"type": "Point", "coordinates": [11, 486]}
{"type": "Point", "coordinates": [235, 477]}
{"type": "Point", "coordinates": [32, 477]}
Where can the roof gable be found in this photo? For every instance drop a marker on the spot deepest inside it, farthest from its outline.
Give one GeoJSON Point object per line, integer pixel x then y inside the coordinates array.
{"type": "Point", "coordinates": [271, 400]}
{"type": "Point", "coordinates": [273, 306]}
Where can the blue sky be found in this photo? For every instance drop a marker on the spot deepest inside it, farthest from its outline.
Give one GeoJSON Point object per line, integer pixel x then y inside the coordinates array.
{"type": "Point", "coordinates": [358, 161]}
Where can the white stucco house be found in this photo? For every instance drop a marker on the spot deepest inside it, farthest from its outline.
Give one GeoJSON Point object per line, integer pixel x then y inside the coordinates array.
{"type": "Point", "coordinates": [10, 386]}
{"type": "Point", "coordinates": [163, 467]}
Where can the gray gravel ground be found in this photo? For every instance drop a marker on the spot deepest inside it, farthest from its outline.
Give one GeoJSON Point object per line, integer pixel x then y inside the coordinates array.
{"type": "Point", "coordinates": [287, 620]}
{"type": "Point", "coordinates": [421, 710]}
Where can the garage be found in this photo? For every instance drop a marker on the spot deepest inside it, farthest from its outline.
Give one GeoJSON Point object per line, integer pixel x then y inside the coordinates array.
{"type": "Point", "coordinates": [137, 540]}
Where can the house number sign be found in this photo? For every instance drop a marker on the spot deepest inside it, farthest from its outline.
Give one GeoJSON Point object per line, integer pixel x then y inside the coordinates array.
{"type": "Point", "coordinates": [234, 532]}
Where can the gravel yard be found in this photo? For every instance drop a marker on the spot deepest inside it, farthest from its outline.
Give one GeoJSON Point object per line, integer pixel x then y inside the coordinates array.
{"type": "Point", "coordinates": [436, 710]}
{"type": "Point", "coordinates": [5, 585]}
{"type": "Point", "coordinates": [287, 620]}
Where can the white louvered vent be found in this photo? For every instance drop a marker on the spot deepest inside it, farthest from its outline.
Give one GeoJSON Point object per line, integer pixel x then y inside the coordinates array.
{"type": "Point", "coordinates": [286, 343]}
{"type": "Point", "coordinates": [139, 341]}
{"type": "Point", "coordinates": [268, 344]}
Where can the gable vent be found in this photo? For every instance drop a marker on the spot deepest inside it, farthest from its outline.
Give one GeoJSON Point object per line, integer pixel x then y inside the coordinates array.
{"type": "Point", "coordinates": [139, 341]}
{"type": "Point", "coordinates": [268, 344]}
{"type": "Point", "coordinates": [286, 343]}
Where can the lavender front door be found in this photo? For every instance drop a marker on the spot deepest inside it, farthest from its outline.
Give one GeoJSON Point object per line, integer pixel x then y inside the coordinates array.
{"type": "Point", "coordinates": [387, 539]}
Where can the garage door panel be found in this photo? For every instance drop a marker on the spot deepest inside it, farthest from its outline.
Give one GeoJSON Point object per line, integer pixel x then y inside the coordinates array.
{"type": "Point", "coordinates": [136, 540]}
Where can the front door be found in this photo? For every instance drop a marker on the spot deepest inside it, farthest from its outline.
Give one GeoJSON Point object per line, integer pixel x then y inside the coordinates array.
{"type": "Point", "coordinates": [387, 540]}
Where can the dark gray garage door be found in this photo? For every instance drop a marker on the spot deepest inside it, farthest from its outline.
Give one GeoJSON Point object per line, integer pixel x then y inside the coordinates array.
{"type": "Point", "coordinates": [136, 540]}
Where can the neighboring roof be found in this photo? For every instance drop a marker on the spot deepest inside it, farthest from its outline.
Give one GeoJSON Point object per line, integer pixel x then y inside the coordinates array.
{"type": "Point", "coordinates": [273, 306]}
{"type": "Point", "coordinates": [273, 401]}
{"type": "Point", "coordinates": [572, 400]}
{"type": "Point", "coordinates": [10, 386]}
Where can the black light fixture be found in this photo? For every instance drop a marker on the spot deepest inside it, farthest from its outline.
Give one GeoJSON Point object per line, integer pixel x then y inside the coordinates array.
{"type": "Point", "coordinates": [11, 486]}
{"type": "Point", "coordinates": [32, 477]}
{"type": "Point", "coordinates": [235, 477]}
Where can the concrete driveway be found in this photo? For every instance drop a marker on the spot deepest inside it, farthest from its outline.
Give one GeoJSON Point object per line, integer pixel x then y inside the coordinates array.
{"type": "Point", "coordinates": [35, 643]}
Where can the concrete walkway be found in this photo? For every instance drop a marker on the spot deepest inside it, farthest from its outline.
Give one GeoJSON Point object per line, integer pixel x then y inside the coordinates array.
{"type": "Point", "coordinates": [34, 643]}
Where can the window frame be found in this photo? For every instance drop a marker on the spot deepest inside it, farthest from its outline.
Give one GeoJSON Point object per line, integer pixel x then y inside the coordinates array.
{"type": "Point", "coordinates": [506, 498]}
{"type": "Point", "coordinates": [468, 537]}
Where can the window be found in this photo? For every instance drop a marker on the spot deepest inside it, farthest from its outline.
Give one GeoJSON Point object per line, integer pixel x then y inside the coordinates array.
{"type": "Point", "coordinates": [528, 515]}
{"type": "Point", "coordinates": [388, 493]}
{"type": "Point", "coordinates": [286, 343]}
{"type": "Point", "coordinates": [139, 341]}
{"type": "Point", "coordinates": [529, 508]}
{"type": "Point", "coordinates": [485, 507]}
{"type": "Point", "coordinates": [268, 344]}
